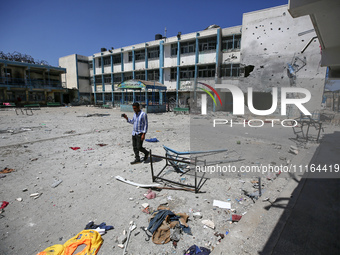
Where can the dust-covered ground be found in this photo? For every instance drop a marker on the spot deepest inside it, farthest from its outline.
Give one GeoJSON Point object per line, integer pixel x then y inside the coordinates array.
{"type": "Point", "coordinates": [38, 148]}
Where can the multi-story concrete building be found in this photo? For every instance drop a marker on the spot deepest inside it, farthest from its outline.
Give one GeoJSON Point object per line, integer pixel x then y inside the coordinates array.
{"type": "Point", "coordinates": [30, 83]}
{"type": "Point", "coordinates": [270, 49]}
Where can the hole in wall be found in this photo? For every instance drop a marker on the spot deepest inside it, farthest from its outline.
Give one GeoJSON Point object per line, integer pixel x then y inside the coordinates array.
{"type": "Point", "coordinates": [248, 70]}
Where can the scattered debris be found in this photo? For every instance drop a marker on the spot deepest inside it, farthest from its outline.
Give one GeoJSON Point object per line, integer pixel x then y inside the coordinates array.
{"type": "Point", "coordinates": [19, 199]}
{"type": "Point", "coordinates": [197, 215]}
{"type": "Point", "coordinates": [209, 223]}
{"type": "Point", "coordinates": [56, 183]}
{"type": "Point", "coordinates": [131, 228]}
{"type": "Point", "coordinates": [3, 205]}
{"type": "Point", "coordinates": [150, 195]}
{"type": "Point", "coordinates": [222, 204]}
{"type": "Point", "coordinates": [152, 140]}
{"type": "Point", "coordinates": [136, 184]}
{"type": "Point", "coordinates": [236, 217]}
{"type": "Point", "coordinates": [70, 132]}
{"type": "Point", "coordinates": [75, 148]}
{"type": "Point", "coordinates": [6, 170]}
{"type": "Point", "coordinates": [101, 144]}
{"type": "Point", "coordinates": [293, 150]}
{"type": "Point", "coordinates": [35, 195]}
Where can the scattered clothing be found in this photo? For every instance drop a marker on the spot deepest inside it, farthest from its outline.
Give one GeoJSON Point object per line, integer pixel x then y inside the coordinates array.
{"type": "Point", "coordinates": [161, 223]}
{"type": "Point", "coordinates": [6, 170]}
{"type": "Point", "coordinates": [150, 195]}
{"type": "Point", "coordinates": [2, 176]}
{"type": "Point", "coordinates": [152, 140]}
{"type": "Point", "coordinates": [90, 238]}
{"type": "Point", "coordinates": [101, 228]}
{"type": "Point", "coordinates": [75, 148]}
{"type": "Point", "coordinates": [195, 250]}
{"type": "Point", "coordinates": [4, 204]}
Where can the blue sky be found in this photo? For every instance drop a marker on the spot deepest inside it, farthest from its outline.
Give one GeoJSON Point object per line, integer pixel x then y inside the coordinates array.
{"type": "Point", "coordinates": [48, 30]}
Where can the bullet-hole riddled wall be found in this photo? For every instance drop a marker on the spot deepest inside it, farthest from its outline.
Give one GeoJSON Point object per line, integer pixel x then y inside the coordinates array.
{"type": "Point", "coordinates": [280, 51]}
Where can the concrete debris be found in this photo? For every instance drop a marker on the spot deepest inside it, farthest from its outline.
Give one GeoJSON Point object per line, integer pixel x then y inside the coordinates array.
{"type": "Point", "coordinates": [197, 215]}
{"type": "Point", "coordinates": [56, 183]}
{"type": "Point", "coordinates": [122, 239]}
{"type": "Point", "coordinates": [209, 223]}
{"type": "Point", "coordinates": [35, 195]}
{"type": "Point", "coordinates": [293, 150]}
{"type": "Point", "coordinates": [145, 205]}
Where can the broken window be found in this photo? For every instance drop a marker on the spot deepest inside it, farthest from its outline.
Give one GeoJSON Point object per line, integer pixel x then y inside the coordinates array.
{"type": "Point", "coordinates": [188, 47]}
{"type": "Point", "coordinates": [98, 79]}
{"type": "Point", "coordinates": [206, 71]}
{"type": "Point", "coordinates": [107, 61]}
{"type": "Point", "coordinates": [174, 49]}
{"type": "Point", "coordinates": [153, 52]}
{"type": "Point", "coordinates": [231, 42]}
{"type": "Point", "coordinates": [140, 75]}
{"type": "Point", "coordinates": [107, 78]}
{"type": "Point", "coordinates": [173, 74]}
{"type": "Point", "coordinates": [128, 76]}
{"type": "Point", "coordinates": [117, 78]}
{"type": "Point", "coordinates": [207, 44]}
{"type": "Point", "coordinates": [153, 75]}
{"type": "Point", "coordinates": [139, 55]}
{"type": "Point", "coordinates": [187, 72]}
{"type": "Point", "coordinates": [230, 70]}
{"type": "Point", "coordinates": [116, 59]}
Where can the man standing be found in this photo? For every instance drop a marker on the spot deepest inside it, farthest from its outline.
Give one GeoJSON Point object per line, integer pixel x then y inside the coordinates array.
{"type": "Point", "coordinates": [140, 127]}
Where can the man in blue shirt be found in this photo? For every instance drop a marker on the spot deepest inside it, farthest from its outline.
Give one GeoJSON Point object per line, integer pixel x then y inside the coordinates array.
{"type": "Point", "coordinates": [140, 127]}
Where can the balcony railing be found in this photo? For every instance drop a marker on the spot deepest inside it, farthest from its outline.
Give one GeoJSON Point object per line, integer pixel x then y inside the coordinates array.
{"type": "Point", "coordinates": [30, 83]}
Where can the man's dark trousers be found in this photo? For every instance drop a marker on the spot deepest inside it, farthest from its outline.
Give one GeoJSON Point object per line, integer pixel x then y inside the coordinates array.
{"type": "Point", "coordinates": [137, 144]}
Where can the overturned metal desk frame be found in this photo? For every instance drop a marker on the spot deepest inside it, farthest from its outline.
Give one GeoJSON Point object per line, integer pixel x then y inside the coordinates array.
{"type": "Point", "coordinates": [169, 162]}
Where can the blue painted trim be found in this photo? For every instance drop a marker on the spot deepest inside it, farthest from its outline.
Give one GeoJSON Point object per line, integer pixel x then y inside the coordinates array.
{"type": "Point", "coordinates": [112, 80]}
{"type": "Point", "coordinates": [233, 41]}
{"type": "Point", "coordinates": [103, 81]}
{"type": "Point", "coordinates": [218, 49]}
{"type": "Point", "coordinates": [77, 76]}
{"type": "Point", "coordinates": [178, 73]}
{"type": "Point", "coordinates": [133, 63]}
{"type": "Point", "coordinates": [161, 62]}
{"type": "Point", "coordinates": [94, 80]}
{"type": "Point", "coordinates": [146, 63]}
{"type": "Point", "coordinates": [196, 67]}
{"type": "Point", "coordinates": [122, 64]}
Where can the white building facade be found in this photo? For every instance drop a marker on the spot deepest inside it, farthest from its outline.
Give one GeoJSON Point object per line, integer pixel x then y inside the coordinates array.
{"type": "Point", "coordinates": [270, 49]}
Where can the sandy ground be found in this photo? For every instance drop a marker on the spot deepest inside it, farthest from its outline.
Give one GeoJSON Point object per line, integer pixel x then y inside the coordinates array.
{"type": "Point", "coordinates": [38, 148]}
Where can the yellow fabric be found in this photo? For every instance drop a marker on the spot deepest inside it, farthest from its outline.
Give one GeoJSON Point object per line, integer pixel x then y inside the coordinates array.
{"type": "Point", "coordinates": [56, 249]}
{"type": "Point", "coordinates": [90, 238]}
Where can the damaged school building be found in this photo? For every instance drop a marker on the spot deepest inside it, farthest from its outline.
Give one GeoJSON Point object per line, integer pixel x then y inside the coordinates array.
{"type": "Point", "coordinates": [25, 83]}
{"type": "Point", "coordinates": [270, 49]}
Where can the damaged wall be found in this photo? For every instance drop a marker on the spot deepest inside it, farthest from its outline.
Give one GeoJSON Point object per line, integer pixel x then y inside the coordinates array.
{"type": "Point", "coordinates": [272, 42]}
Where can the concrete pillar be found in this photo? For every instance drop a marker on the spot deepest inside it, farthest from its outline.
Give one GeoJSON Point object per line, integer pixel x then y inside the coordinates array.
{"type": "Point", "coordinates": [133, 63]}
{"type": "Point", "coordinates": [146, 62]}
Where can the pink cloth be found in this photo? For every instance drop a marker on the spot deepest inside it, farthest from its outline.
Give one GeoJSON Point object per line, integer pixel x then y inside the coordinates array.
{"type": "Point", "coordinates": [150, 195]}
